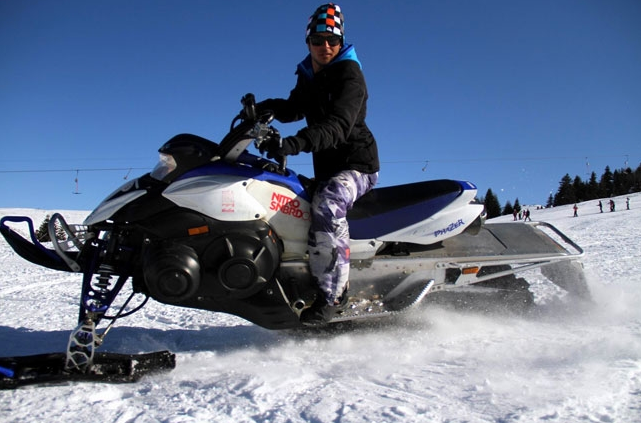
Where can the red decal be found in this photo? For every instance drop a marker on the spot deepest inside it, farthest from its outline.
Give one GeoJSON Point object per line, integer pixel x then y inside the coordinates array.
{"type": "Point", "coordinates": [287, 205]}
{"type": "Point", "coordinates": [228, 201]}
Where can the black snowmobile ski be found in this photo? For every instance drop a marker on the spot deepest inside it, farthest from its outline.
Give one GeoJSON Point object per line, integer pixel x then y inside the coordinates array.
{"type": "Point", "coordinates": [48, 369]}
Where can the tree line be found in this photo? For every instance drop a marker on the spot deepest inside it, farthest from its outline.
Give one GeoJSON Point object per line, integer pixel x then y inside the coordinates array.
{"type": "Point", "coordinates": [574, 190]}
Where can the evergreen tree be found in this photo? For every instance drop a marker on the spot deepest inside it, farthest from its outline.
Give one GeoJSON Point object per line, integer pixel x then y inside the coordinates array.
{"type": "Point", "coordinates": [61, 235]}
{"type": "Point", "coordinates": [550, 202]}
{"type": "Point", "coordinates": [492, 206]}
{"type": "Point", "coordinates": [623, 181]}
{"type": "Point", "coordinates": [42, 234]}
{"type": "Point", "coordinates": [593, 187]}
{"type": "Point", "coordinates": [607, 183]}
{"type": "Point", "coordinates": [508, 209]}
{"type": "Point", "coordinates": [636, 180]}
{"type": "Point", "coordinates": [565, 194]}
{"type": "Point", "coordinates": [517, 205]}
{"type": "Point", "coordinates": [619, 182]}
{"type": "Point", "coordinates": [579, 189]}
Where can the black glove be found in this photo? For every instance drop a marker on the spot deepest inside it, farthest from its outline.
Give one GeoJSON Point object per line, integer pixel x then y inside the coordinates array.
{"type": "Point", "coordinates": [270, 143]}
{"type": "Point", "coordinates": [290, 146]}
{"type": "Point", "coordinates": [275, 146]}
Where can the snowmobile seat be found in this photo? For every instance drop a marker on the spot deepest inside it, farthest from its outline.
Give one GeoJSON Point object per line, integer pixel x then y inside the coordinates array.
{"type": "Point", "coordinates": [387, 209]}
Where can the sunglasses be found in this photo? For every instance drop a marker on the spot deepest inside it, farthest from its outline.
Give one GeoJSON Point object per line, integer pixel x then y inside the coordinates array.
{"type": "Point", "coordinates": [319, 40]}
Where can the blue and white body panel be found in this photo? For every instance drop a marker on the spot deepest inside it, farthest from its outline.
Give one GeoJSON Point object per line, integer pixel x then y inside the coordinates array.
{"type": "Point", "coordinates": [240, 192]}
{"type": "Point", "coordinates": [447, 222]}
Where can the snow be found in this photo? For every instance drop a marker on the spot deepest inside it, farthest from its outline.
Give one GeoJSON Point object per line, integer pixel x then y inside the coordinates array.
{"type": "Point", "coordinates": [561, 364]}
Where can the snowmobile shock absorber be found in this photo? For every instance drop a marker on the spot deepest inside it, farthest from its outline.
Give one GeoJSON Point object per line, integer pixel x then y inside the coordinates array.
{"type": "Point", "coordinates": [98, 294]}
{"type": "Point", "coordinates": [103, 280]}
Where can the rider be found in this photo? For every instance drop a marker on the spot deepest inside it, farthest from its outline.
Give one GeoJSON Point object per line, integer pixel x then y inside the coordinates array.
{"type": "Point", "coordinates": [331, 94]}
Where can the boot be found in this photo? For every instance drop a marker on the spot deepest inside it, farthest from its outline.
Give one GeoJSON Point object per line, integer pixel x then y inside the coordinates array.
{"type": "Point", "coordinates": [321, 313]}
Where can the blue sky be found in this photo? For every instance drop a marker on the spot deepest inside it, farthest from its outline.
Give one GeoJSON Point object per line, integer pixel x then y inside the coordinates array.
{"type": "Point", "coordinates": [510, 94]}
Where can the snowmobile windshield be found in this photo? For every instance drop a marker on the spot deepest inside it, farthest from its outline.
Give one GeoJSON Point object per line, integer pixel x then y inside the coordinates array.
{"type": "Point", "coordinates": [166, 164]}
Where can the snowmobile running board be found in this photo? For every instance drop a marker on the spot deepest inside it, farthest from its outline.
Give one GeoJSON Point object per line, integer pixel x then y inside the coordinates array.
{"type": "Point", "coordinates": [48, 369]}
{"type": "Point", "coordinates": [403, 297]}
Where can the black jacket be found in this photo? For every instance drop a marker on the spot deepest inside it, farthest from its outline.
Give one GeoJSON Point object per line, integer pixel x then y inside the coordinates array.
{"type": "Point", "coordinates": [334, 104]}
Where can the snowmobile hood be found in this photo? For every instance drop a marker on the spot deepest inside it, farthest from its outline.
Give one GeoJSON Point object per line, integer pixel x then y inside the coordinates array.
{"type": "Point", "coordinates": [347, 52]}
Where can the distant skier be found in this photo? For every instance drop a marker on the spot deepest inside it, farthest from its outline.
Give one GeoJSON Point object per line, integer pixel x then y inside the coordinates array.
{"type": "Point", "coordinates": [576, 211]}
{"type": "Point", "coordinates": [600, 206]}
{"type": "Point", "coordinates": [627, 203]}
{"type": "Point", "coordinates": [612, 205]}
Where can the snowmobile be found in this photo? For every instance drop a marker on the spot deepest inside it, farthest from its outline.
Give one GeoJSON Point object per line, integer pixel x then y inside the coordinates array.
{"type": "Point", "coordinates": [217, 228]}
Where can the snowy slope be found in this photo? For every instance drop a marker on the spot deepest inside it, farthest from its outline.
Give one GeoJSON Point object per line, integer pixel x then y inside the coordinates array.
{"type": "Point", "coordinates": [559, 365]}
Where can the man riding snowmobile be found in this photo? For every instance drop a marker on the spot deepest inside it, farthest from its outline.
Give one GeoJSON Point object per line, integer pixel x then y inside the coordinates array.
{"type": "Point", "coordinates": [332, 96]}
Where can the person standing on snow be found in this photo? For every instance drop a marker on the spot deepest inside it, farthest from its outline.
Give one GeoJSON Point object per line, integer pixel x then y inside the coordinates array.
{"type": "Point", "coordinates": [331, 94]}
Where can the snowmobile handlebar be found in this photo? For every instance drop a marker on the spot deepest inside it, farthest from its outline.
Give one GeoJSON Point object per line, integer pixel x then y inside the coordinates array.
{"type": "Point", "coordinates": [268, 135]}
{"type": "Point", "coordinates": [263, 133]}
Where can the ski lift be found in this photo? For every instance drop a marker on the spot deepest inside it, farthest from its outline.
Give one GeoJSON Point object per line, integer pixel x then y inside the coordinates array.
{"type": "Point", "coordinates": [76, 191]}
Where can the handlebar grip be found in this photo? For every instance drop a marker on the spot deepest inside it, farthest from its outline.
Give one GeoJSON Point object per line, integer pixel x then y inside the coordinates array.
{"type": "Point", "coordinates": [282, 164]}
{"type": "Point", "coordinates": [249, 105]}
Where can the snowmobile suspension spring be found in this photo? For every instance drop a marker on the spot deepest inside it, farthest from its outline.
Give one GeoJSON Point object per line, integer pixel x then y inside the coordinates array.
{"type": "Point", "coordinates": [103, 280]}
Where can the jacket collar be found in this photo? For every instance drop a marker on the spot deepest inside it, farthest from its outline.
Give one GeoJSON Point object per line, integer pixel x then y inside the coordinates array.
{"type": "Point", "coordinates": [347, 52]}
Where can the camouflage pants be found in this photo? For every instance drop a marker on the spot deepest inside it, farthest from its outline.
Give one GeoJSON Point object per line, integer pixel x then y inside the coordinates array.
{"type": "Point", "coordinates": [329, 231]}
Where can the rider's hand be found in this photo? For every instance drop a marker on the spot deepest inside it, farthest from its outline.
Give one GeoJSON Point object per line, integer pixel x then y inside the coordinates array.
{"type": "Point", "coordinates": [290, 146]}
{"type": "Point", "coordinates": [270, 143]}
{"type": "Point", "coordinates": [275, 146]}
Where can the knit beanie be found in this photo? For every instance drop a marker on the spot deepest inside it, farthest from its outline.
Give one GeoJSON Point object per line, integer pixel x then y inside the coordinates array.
{"type": "Point", "coordinates": [327, 18]}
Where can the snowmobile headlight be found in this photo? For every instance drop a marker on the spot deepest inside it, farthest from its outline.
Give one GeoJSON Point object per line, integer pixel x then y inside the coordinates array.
{"type": "Point", "coordinates": [166, 164]}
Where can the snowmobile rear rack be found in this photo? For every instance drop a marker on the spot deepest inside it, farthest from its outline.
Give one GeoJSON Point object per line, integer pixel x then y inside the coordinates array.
{"type": "Point", "coordinates": [501, 244]}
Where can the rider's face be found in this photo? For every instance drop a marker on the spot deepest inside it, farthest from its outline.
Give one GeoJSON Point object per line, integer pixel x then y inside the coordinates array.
{"type": "Point", "coordinates": [324, 53]}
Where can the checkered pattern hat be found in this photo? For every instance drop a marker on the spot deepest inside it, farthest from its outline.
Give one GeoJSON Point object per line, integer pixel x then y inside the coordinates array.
{"type": "Point", "coordinates": [327, 18]}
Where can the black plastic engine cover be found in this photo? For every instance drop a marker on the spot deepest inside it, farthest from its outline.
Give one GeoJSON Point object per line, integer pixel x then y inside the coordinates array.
{"type": "Point", "coordinates": [172, 272]}
{"type": "Point", "coordinates": [224, 260]}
